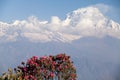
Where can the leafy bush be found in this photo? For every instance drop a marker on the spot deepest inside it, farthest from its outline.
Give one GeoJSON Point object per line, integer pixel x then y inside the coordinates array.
{"type": "Point", "coordinates": [58, 67]}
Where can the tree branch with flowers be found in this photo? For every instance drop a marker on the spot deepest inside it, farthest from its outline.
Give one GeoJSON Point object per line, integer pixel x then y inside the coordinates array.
{"type": "Point", "coordinates": [58, 67]}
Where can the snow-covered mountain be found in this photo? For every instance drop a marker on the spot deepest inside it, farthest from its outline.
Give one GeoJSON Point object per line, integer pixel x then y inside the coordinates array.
{"type": "Point", "coordinates": [80, 23]}
{"type": "Point", "coordinates": [91, 39]}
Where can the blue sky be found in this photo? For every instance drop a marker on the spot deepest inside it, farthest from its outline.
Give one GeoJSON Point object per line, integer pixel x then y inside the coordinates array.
{"type": "Point", "coordinates": [11, 10]}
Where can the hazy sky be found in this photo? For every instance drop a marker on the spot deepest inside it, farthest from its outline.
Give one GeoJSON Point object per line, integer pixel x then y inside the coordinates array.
{"type": "Point", "coordinates": [11, 10]}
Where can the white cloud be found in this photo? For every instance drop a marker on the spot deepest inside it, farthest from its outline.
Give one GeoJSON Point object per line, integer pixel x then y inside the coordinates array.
{"type": "Point", "coordinates": [80, 23]}
{"type": "Point", "coordinates": [55, 20]}
{"type": "Point", "coordinates": [36, 37]}
{"type": "Point", "coordinates": [103, 8]}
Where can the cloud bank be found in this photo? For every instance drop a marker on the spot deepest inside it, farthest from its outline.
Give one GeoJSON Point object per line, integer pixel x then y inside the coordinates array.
{"type": "Point", "coordinates": [79, 23]}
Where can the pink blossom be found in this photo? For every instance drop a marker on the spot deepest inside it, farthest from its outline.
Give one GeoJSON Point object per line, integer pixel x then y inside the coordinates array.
{"type": "Point", "coordinates": [52, 74]}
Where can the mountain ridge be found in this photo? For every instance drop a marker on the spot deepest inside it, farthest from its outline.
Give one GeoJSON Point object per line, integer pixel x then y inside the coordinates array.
{"type": "Point", "coordinates": [83, 22]}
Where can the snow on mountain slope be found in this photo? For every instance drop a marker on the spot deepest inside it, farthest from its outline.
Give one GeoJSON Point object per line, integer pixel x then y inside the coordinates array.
{"type": "Point", "coordinates": [80, 23]}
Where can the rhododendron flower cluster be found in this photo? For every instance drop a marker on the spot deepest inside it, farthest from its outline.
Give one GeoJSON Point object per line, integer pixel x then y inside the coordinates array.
{"type": "Point", "coordinates": [58, 67]}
